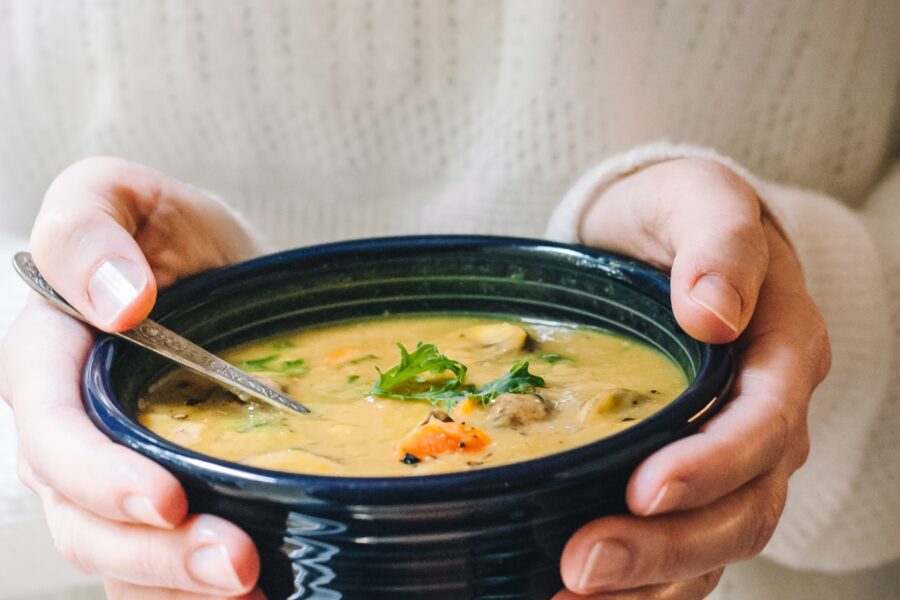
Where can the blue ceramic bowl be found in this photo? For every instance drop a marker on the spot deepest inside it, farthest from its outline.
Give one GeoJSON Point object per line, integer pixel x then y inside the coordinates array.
{"type": "Point", "coordinates": [488, 534]}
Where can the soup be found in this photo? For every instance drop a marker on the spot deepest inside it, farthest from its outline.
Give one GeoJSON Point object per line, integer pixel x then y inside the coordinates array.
{"type": "Point", "coordinates": [418, 395]}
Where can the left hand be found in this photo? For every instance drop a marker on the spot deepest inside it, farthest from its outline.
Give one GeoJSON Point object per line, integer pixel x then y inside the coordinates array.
{"type": "Point", "coordinates": [714, 497]}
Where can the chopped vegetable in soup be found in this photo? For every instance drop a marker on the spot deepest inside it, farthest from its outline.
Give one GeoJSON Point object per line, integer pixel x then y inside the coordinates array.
{"type": "Point", "coordinates": [418, 395]}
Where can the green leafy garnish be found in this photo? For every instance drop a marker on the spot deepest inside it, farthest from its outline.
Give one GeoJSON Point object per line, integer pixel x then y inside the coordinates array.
{"type": "Point", "coordinates": [424, 359]}
{"type": "Point", "coordinates": [294, 367]}
{"type": "Point", "coordinates": [363, 358]}
{"type": "Point", "coordinates": [553, 358]}
{"type": "Point", "coordinates": [257, 364]}
{"type": "Point", "coordinates": [517, 381]}
{"type": "Point", "coordinates": [405, 381]}
{"type": "Point", "coordinates": [248, 426]}
{"type": "Point", "coordinates": [353, 379]}
{"type": "Point", "coordinates": [267, 365]}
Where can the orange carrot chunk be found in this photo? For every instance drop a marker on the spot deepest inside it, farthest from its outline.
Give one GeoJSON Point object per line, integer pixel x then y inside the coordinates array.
{"type": "Point", "coordinates": [436, 438]}
{"type": "Point", "coordinates": [466, 407]}
{"type": "Point", "coordinates": [342, 355]}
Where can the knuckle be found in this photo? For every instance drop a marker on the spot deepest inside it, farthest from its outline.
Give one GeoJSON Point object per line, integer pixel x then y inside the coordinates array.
{"type": "Point", "coordinates": [711, 172]}
{"type": "Point", "coordinates": [23, 472]}
{"type": "Point", "coordinates": [63, 522]}
{"type": "Point", "coordinates": [675, 555]}
{"type": "Point", "coordinates": [779, 432]}
{"type": "Point", "coordinates": [151, 563]}
{"type": "Point", "coordinates": [817, 348]}
{"type": "Point", "coordinates": [114, 590]}
{"type": "Point", "coordinates": [52, 231]}
{"type": "Point", "coordinates": [43, 457]}
{"type": "Point", "coordinates": [740, 227]}
{"type": "Point", "coordinates": [823, 344]}
{"type": "Point", "coordinates": [801, 449]}
{"type": "Point", "coordinates": [39, 469]}
{"type": "Point", "coordinates": [85, 170]}
{"type": "Point", "coordinates": [87, 178]}
{"type": "Point", "coordinates": [4, 375]}
{"type": "Point", "coordinates": [761, 521]}
{"type": "Point", "coordinates": [709, 581]}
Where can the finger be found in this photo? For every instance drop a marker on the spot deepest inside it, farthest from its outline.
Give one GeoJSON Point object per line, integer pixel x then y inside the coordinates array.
{"type": "Point", "coordinates": [690, 589]}
{"type": "Point", "coordinates": [721, 256]}
{"type": "Point", "coordinates": [703, 221]}
{"type": "Point", "coordinates": [120, 590]}
{"type": "Point", "coordinates": [205, 554]}
{"type": "Point", "coordinates": [83, 240]}
{"type": "Point", "coordinates": [623, 552]}
{"type": "Point", "coordinates": [60, 444]}
{"type": "Point", "coordinates": [106, 222]}
{"type": "Point", "coordinates": [765, 422]}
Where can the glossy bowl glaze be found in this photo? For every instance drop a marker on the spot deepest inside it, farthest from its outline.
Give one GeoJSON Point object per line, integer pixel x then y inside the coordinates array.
{"type": "Point", "coordinates": [495, 533]}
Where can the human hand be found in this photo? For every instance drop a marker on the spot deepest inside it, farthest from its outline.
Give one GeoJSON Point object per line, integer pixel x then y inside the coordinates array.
{"type": "Point", "coordinates": [714, 497]}
{"type": "Point", "coordinates": [107, 234]}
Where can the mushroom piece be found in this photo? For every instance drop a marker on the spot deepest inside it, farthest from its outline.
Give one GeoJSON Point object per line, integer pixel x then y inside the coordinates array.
{"type": "Point", "coordinates": [502, 337]}
{"type": "Point", "coordinates": [518, 410]}
{"type": "Point", "coordinates": [606, 401]}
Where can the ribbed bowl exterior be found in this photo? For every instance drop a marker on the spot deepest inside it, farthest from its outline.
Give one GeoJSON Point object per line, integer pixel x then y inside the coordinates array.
{"type": "Point", "coordinates": [489, 534]}
{"type": "Point", "coordinates": [502, 546]}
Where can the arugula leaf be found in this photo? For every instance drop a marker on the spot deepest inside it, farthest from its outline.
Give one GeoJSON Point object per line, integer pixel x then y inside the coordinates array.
{"type": "Point", "coordinates": [554, 358]}
{"type": "Point", "coordinates": [424, 359]}
{"type": "Point", "coordinates": [267, 364]}
{"type": "Point", "coordinates": [356, 361]}
{"type": "Point", "coordinates": [405, 382]}
{"type": "Point", "coordinates": [294, 367]}
{"type": "Point", "coordinates": [517, 381]}
{"type": "Point", "coordinates": [257, 364]}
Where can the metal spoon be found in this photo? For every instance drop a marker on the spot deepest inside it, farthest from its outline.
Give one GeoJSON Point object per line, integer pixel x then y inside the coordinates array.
{"type": "Point", "coordinates": [156, 338]}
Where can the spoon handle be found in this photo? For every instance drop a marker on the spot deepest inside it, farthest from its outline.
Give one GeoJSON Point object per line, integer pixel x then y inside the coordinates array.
{"type": "Point", "coordinates": [161, 340]}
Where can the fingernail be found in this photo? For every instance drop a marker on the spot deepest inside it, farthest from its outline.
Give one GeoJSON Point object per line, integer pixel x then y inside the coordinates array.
{"type": "Point", "coordinates": [668, 497]}
{"type": "Point", "coordinates": [114, 286]}
{"type": "Point", "coordinates": [720, 298]}
{"type": "Point", "coordinates": [212, 565]}
{"type": "Point", "coordinates": [606, 563]}
{"type": "Point", "coordinates": [141, 509]}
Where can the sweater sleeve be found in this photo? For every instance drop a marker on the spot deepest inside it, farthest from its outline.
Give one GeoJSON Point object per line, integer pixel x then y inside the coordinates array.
{"type": "Point", "coordinates": [843, 507]}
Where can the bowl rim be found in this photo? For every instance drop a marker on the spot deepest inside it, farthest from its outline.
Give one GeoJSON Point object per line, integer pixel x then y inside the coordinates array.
{"type": "Point", "coordinates": [707, 391]}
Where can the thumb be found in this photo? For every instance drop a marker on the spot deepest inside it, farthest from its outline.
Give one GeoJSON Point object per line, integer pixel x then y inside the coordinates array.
{"type": "Point", "coordinates": [720, 261]}
{"type": "Point", "coordinates": [717, 273]}
{"type": "Point", "coordinates": [83, 241]}
{"type": "Point", "coordinates": [703, 221]}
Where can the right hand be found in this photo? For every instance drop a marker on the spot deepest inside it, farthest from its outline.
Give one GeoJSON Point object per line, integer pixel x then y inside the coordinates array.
{"type": "Point", "coordinates": [108, 233]}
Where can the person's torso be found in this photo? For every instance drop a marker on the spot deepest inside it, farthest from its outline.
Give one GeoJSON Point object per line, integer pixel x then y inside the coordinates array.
{"type": "Point", "coordinates": [326, 120]}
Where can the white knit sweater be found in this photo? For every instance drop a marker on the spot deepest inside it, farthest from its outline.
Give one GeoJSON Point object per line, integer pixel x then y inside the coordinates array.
{"type": "Point", "coordinates": [331, 120]}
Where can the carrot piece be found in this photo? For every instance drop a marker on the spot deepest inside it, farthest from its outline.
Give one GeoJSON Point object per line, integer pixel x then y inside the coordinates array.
{"type": "Point", "coordinates": [466, 407]}
{"type": "Point", "coordinates": [436, 438]}
{"type": "Point", "coordinates": [342, 355]}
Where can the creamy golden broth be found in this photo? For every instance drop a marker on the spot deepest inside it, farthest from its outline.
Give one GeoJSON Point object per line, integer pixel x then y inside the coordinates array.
{"type": "Point", "coordinates": [595, 384]}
